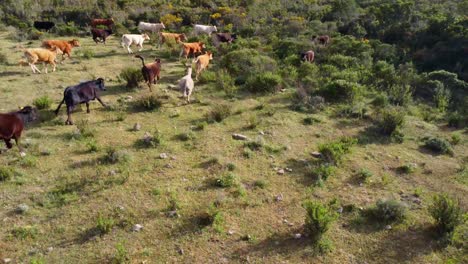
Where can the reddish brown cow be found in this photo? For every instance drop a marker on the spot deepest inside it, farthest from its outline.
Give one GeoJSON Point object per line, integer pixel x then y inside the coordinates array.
{"type": "Point", "coordinates": [308, 56]}
{"type": "Point", "coordinates": [65, 46]}
{"type": "Point", "coordinates": [12, 125]}
{"type": "Point", "coordinates": [102, 21]}
{"type": "Point", "coordinates": [323, 40]}
{"type": "Point", "coordinates": [191, 48]}
{"type": "Point", "coordinates": [150, 71]}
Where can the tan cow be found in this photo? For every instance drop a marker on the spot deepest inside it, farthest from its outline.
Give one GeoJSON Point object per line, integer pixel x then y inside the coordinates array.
{"type": "Point", "coordinates": [202, 62]}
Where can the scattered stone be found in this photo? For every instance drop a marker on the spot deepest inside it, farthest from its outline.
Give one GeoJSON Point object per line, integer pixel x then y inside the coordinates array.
{"type": "Point", "coordinates": [137, 127]}
{"type": "Point", "coordinates": [173, 214]}
{"type": "Point", "coordinates": [388, 227]}
{"type": "Point", "coordinates": [340, 210]}
{"type": "Point", "coordinates": [168, 166]}
{"type": "Point", "coordinates": [112, 173]}
{"type": "Point", "coordinates": [180, 251]}
{"type": "Point", "coordinates": [121, 208]}
{"type": "Point", "coordinates": [137, 228]}
{"type": "Point", "coordinates": [129, 97]}
{"type": "Point", "coordinates": [173, 158]}
{"type": "Point", "coordinates": [297, 236]}
{"type": "Point", "coordinates": [163, 156]}
{"type": "Point", "coordinates": [230, 232]}
{"type": "Point", "coordinates": [288, 169]}
{"type": "Point", "coordinates": [147, 138]}
{"type": "Point", "coordinates": [316, 154]}
{"type": "Point", "coordinates": [22, 154]}
{"type": "Point", "coordinates": [261, 133]}
{"type": "Point", "coordinates": [279, 197]}
{"type": "Point", "coordinates": [22, 208]}
{"type": "Point", "coordinates": [6, 260]}
{"type": "Point", "coordinates": [50, 249]}
{"type": "Point", "coordinates": [239, 137]}
{"type": "Point", "coordinates": [277, 243]}
{"type": "Point", "coordinates": [280, 171]}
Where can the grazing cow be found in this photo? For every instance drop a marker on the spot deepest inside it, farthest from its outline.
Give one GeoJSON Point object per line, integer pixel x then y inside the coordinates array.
{"type": "Point", "coordinates": [42, 55]}
{"type": "Point", "coordinates": [150, 71]}
{"type": "Point", "coordinates": [191, 48]}
{"type": "Point", "coordinates": [197, 29]}
{"type": "Point", "coordinates": [186, 84]}
{"type": "Point", "coordinates": [100, 35]}
{"type": "Point", "coordinates": [81, 93]}
{"type": "Point", "coordinates": [102, 21]}
{"type": "Point", "coordinates": [137, 39]}
{"type": "Point", "coordinates": [323, 40]}
{"type": "Point", "coordinates": [151, 27]}
{"type": "Point", "coordinates": [65, 46]}
{"type": "Point", "coordinates": [163, 37]}
{"type": "Point", "coordinates": [308, 56]}
{"type": "Point", "coordinates": [202, 62]}
{"type": "Point", "coordinates": [12, 125]}
{"type": "Point", "coordinates": [224, 37]}
{"type": "Point", "coordinates": [46, 25]}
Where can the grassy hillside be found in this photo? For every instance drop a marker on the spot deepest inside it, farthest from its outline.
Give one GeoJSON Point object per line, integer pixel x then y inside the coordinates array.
{"type": "Point", "coordinates": [213, 198]}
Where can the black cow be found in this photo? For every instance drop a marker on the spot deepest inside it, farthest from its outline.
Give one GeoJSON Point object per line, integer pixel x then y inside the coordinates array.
{"type": "Point", "coordinates": [81, 93]}
{"type": "Point", "coordinates": [46, 25]}
{"type": "Point", "coordinates": [224, 38]}
{"type": "Point", "coordinates": [101, 34]}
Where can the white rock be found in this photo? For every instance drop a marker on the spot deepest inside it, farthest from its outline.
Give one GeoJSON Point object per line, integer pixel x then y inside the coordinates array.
{"type": "Point", "coordinates": [22, 154]}
{"type": "Point", "coordinates": [163, 156]}
{"type": "Point", "coordinates": [279, 197]}
{"type": "Point", "coordinates": [137, 127]}
{"type": "Point", "coordinates": [316, 154]}
{"type": "Point", "coordinates": [22, 208]}
{"type": "Point", "coordinates": [388, 227]}
{"type": "Point", "coordinates": [230, 232]}
{"type": "Point", "coordinates": [239, 137]}
{"type": "Point", "coordinates": [6, 260]}
{"type": "Point", "coordinates": [280, 171]}
{"type": "Point", "coordinates": [297, 236]}
{"type": "Point", "coordinates": [137, 228]}
{"type": "Point", "coordinates": [50, 249]}
{"type": "Point", "coordinates": [288, 170]}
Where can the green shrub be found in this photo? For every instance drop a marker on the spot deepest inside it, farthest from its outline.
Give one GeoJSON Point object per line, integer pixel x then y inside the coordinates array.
{"type": "Point", "coordinates": [116, 156]}
{"type": "Point", "coordinates": [207, 77]}
{"type": "Point", "coordinates": [132, 76]}
{"type": "Point", "coordinates": [333, 152]}
{"type": "Point", "coordinates": [255, 145]}
{"type": "Point", "coordinates": [151, 140]}
{"type": "Point", "coordinates": [457, 120]}
{"type": "Point", "coordinates": [400, 94]}
{"type": "Point", "coordinates": [148, 102]}
{"type": "Point", "coordinates": [84, 129]}
{"type": "Point", "coordinates": [447, 214]}
{"type": "Point", "coordinates": [364, 175]}
{"type": "Point", "coordinates": [5, 173]}
{"type": "Point", "coordinates": [185, 136]}
{"type": "Point", "coordinates": [226, 83]}
{"type": "Point", "coordinates": [3, 58]}
{"type": "Point", "coordinates": [390, 120]}
{"type": "Point", "coordinates": [380, 100]}
{"type": "Point", "coordinates": [441, 96]}
{"type": "Point", "coordinates": [389, 211]}
{"type": "Point", "coordinates": [263, 83]}
{"type": "Point", "coordinates": [227, 180]}
{"type": "Point", "coordinates": [341, 90]}
{"type": "Point", "coordinates": [318, 219]}
{"type": "Point", "coordinates": [246, 62]}
{"type": "Point", "coordinates": [104, 225]}
{"type": "Point", "coordinates": [407, 168]}
{"type": "Point", "coordinates": [438, 145]}
{"type": "Point", "coordinates": [231, 166]}
{"type": "Point", "coordinates": [68, 29]}
{"type": "Point", "coordinates": [218, 113]}
{"type": "Point", "coordinates": [322, 172]}
{"type": "Point", "coordinates": [24, 232]}
{"type": "Point", "coordinates": [456, 139]}
{"type": "Point", "coordinates": [260, 184]}
{"type": "Point", "coordinates": [121, 255]}
{"type": "Point", "coordinates": [87, 54]}
{"type": "Point", "coordinates": [42, 102]}
{"type": "Point", "coordinates": [92, 146]}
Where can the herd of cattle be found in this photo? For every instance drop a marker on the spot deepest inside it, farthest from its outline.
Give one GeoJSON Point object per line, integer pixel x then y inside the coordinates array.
{"type": "Point", "coordinates": [12, 124]}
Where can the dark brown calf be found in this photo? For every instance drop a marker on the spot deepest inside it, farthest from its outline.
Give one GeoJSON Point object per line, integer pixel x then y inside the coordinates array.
{"type": "Point", "coordinates": [308, 56]}
{"type": "Point", "coordinates": [12, 125]}
{"type": "Point", "coordinates": [150, 71]}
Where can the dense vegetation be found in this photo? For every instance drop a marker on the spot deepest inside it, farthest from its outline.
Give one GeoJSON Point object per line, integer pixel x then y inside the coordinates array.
{"type": "Point", "coordinates": [389, 88]}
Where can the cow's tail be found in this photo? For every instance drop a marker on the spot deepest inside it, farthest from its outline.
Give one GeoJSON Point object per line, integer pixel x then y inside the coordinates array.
{"type": "Point", "coordinates": [142, 59]}
{"type": "Point", "coordinates": [195, 60]}
{"type": "Point", "coordinates": [60, 105]}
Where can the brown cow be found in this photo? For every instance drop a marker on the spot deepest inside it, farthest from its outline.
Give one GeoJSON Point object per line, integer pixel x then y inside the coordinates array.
{"type": "Point", "coordinates": [191, 48]}
{"type": "Point", "coordinates": [177, 37]}
{"type": "Point", "coordinates": [102, 21]}
{"type": "Point", "coordinates": [65, 46]}
{"type": "Point", "coordinates": [308, 56]}
{"type": "Point", "coordinates": [12, 125]}
{"type": "Point", "coordinates": [323, 39]}
{"type": "Point", "coordinates": [150, 71]}
{"type": "Point", "coordinates": [202, 62]}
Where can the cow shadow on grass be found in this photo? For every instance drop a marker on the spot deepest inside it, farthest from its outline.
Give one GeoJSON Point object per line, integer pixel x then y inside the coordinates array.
{"type": "Point", "coordinates": [283, 244]}
{"type": "Point", "coordinates": [301, 170]}
{"type": "Point", "coordinates": [10, 73]}
{"type": "Point", "coordinates": [371, 135]}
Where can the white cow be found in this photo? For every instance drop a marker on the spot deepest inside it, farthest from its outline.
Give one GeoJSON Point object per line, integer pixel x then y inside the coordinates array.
{"type": "Point", "coordinates": [137, 39]}
{"type": "Point", "coordinates": [197, 29]}
{"type": "Point", "coordinates": [151, 27]}
{"type": "Point", "coordinates": [186, 84]}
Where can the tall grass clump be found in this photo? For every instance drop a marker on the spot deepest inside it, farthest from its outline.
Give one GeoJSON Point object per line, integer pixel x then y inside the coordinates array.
{"type": "Point", "coordinates": [43, 102]}
{"type": "Point", "coordinates": [438, 145]}
{"type": "Point", "coordinates": [218, 113]}
{"type": "Point", "coordinates": [132, 76]}
{"type": "Point", "coordinates": [333, 152]}
{"type": "Point", "coordinates": [390, 121]}
{"type": "Point", "coordinates": [447, 214]}
{"type": "Point", "coordinates": [5, 173]}
{"type": "Point", "coordinates": [318, 220]}
{"type": "Point", "coordinates": [388, 211]}
{"type": "Point", "coordinates": [148, 102]}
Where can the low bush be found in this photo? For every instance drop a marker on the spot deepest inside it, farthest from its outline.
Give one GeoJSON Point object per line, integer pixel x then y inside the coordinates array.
{"type": "Point", "coordinates": [207, 77]}
{"type": "Point", "coordinates": [364, 175]}
{"type": "Point", "coordinates": [24, 232]}
{"type": "Point", "coordinates": [447, 214]}
{"type": "Point", "coordinates": [87, 54]}
{"type": "Point", "coordinates": [43, 102]}
{"type": "Point", "coordinates": [390, 120]}
{"type": "Point", "coordinates": [226, 83]}
{"type": "Point", "coordinates": [380, 100]}
{"type": "Point", "coordinates": [132, 76]}
{"type": "Point", "coordinates": [104, 225]}
{"type": "Point", "coordinates": [227, 180]}
{"type": "Point", "coordinates": [148, 102]}
{"type": "Point", "coordinates": [3, 58]}
{"type": "Point", "coordinates": [438, 145]}
{"type": "Point", "coordinates": [389, 211]}
{"type": "Point", "coordinates": [5, 173]}
{"type": "Point", "coordinates": [304, 101]}
{"type": "Point", "coordinates": [185, 136]}
{"type": "Point", "coordinates": [68, 29]}
{"type": "Point", "coordinates": [322, 172]}
{"type": "Point", "coordinates": [341, 90]}
{"type": "Point", "coordinates": [150, 140]}
{"type": "Point", "coordinates": [407, 168]}
{"type": "Point", "coordinates": [116, 156]}
{"type": "Point", "coordinates": [218, 113]}
{"type": "Point", "coordinates": [266, 82]}
{"type": "Point", "coordinates": [400, 94]}
{"type": "Point", "coordinates": [84, 129]}
{"type": "Point", "coordinates": [457, 120]}
{"type": "Point", "coordinates": [333, 152]}
{"type": "Point", "coordinates": [318, 219]}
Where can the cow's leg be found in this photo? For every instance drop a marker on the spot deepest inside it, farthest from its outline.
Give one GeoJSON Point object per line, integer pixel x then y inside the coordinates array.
{"type": "Point", "coordinates": [8, 143]}
{"type": "Point", "coordinates": [129, 50]}
{"type": "Point", "coordinates": [45, 67]}
{"type": "Point", "coordinates": [17, 140]}
{"type": "Point", "coordinates": [53, 67]}
{"type": "Point", "coordinates": [32, 67]}
{"type": "Point", "coordinates": [141, 47]}
{"type": "Point", "coordinates": [100, 101]}
{"type": "Point", "coordinates": [69, 119]}
{"type": "Point", "coordinates": [87, 107]}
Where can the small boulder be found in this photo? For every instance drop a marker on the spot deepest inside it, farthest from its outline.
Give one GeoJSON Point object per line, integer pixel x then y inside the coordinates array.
{"type": "Point", "coordinates": [297, 236]}
{"type": "Point", "coordinates": [137, 228]}
{"type": "Point", "coordinates": [316, 154]}
{"type": "Point", "coordinates": [22, 208]}
{"type": "Point", "coordinates": [280, 171]}
{"type": "Point", "coordinates": [137, 127]}
{"type": "Point", "coordinates": [239, 137]}
{"type": "Point", "coordinates": [279, 197]}
{"type": "Point", "coordinates": [6, 260]}
{"type": "Point", "coordinates": [388, 227]}
{"type": "Point", "coordinates": [163, 156]}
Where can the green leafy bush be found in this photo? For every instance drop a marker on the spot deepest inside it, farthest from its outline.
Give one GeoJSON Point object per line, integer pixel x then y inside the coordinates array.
{"type": "Point", "coordinates": [246, 62]}
{"type": "Point", "coordinates": [333, 152]}
{"type": "Point", "coordinates": [457, 120]}
{"type": "Point", "coordinates": [447, 214]}
{"type": "Point", "coordinates": [132, 76]}
{"type": "Point", "coordinates": [389, 211]}
{"type": "Point", "coordinates": [218, 113]}
{"type": "Point", "coordinates": [24, 232]}
{"type": "Point", "coordinates": [43, 102]}
{"type": "Point", "coordinates": [149, 102]}
{"type": "Point", "coordinates": [390, 120]}
{"type": "Point", "coordinates": [226, 83]}
{"type": "Point", "coordinates": [5, 173]}
{"type": "Point", "coordinates": [227, 180]}
{"type": "Point", "coordinates": [341, 90]}
{"type": "Point", "coordinates": [104, 225]}
{"type": "Point", "coordinates": [438, 145]}
{"type": "Point", "coordinates": [266, 82]}
{"type": "Point", "coordinates": [322, 172]}
{"type": "Point", "coordinates": [117, 156]}
{"type": "Point", "coordinates": [318, 219]}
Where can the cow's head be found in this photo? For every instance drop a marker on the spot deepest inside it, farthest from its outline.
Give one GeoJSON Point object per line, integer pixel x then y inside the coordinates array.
{"type": "Point", "coordinates": [183, 37]}
{"type": "Point", "coordinates": [233, 37]}
{"type": "Point", "coordinates": [215, 29]}
{"type": "Point", "coordinates": [202, 45]}
{"type": "Point", "coordinates": [145, 36]}
{"type": "Point", "coordinates": [162, 25]}
{"type": "Point", "coordinates": [100, 84]}
{"type": "Point", "coordinates": [28, 114]}
{"type": "Point", "coordinates": [74, 43]}
{"type": "Point", "coordinates": [210, 55]}
{"type": "Point", "coordinates": [157, 60]}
